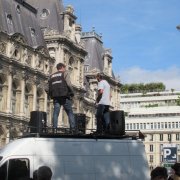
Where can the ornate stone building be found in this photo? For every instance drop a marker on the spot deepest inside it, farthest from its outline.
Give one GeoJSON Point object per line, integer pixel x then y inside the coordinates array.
{"type": "Point", "coordinates": [32, 42]}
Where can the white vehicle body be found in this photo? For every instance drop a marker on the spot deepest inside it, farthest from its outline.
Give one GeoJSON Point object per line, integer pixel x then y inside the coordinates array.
{"type": "Point", "coordinates": [81, 159]}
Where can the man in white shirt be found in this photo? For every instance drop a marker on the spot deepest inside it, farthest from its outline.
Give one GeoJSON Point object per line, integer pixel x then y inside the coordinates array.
{"type": "Point", "coordinates": [103, 100]}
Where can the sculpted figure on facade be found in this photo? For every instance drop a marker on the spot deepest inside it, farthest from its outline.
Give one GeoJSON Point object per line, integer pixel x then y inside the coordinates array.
{"type": "Point", "coordinates": [47, 66]}
{"type": "Point", "coordinates": [12, 49]}
{"type": "Point", "coordinates": [25, 56]}
{"type": "Point", "coordinates": [70, 8]}
{"type": "Point", "coordinates": [52, 32]}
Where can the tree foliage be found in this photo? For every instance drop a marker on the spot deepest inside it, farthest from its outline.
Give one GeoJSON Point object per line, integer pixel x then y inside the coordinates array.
{"type": "Point", "coordinates": [141, 87]}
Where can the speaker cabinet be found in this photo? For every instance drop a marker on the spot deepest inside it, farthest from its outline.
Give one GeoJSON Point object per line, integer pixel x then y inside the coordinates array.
{"type": "Point", "coordinates": [117, 121]}
{"type": "Point", "coordinates": [80, 121]}
{"type": "Point", "coordinates": [37, 121]}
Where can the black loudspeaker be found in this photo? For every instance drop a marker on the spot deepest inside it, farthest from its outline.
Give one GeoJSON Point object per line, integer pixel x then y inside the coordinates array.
{"type": "Point", "coordinates": [37, 121]}
{"type": "Point", "coordinates": [80, 121]}
{"type": "Point", "coordinates": [117, 122]}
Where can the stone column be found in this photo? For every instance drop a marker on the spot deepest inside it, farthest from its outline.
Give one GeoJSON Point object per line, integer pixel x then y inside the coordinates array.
{"type": "Point", "coordinates": [73, 32]}
{"type": "Point", "coordinates": [22, 96]}
{"type": "Point", "coordinates": [66, 22]}
{"type": "Point", "coordinates": [4, 92]}
{"type": "Point", "coordinates": [34, 90]}
{"type": "Point", "coordinates": [41, 104]}
{"type": "Point", "coordinates": [30, 99]}
{"type": "Point", "coordinates": [78, 29]}
{"type": "Point", "coordinates": [9, 92]}
{"type": "Point", "coordinates": [18, 102]}
{"type": "Point", "coordinates": [45, 102]}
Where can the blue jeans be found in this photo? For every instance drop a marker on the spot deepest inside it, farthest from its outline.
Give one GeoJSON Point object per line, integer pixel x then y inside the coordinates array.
{"type": "Point", "coordinates": [68, 108]}
{"type": "Point", "coordinates": [102, 110]}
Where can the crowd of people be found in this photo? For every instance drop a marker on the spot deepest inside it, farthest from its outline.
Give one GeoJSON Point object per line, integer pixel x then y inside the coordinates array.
{"type": "Point", "coordinates": [160, 173]}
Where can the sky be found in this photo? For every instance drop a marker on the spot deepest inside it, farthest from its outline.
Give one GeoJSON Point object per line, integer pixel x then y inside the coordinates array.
{"type": "Point", "coordinates": [142, 35]}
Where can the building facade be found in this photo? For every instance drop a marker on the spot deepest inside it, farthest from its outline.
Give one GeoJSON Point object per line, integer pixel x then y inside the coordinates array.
{"type": "Point", "coordinates": [157, 116]}
{"type": "Point", "coordinates": [34, 38]}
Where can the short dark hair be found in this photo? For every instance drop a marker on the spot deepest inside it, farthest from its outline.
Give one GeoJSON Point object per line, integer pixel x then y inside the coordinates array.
{"type": "Point", "coordinates": [101, 75]}
{"type": "Point", "coordinates": [44, 173]}
{"type": "Point", "coordinates": [60, 66]}
{"type": "Point", "coordinates": [159, 171]}
{"type": "Point", "coordinates": [176, 167]}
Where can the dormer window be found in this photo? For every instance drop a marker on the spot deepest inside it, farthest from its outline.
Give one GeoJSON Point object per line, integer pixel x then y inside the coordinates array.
{"type": "Point", "coordinates": [18, 9]}
{"type": "Point", "coordinates": [86, 68]}
{"type": "Point", "coordinates": [43, 31]}
{"type": "Point", "coordinates": [9, 19]}
{"type": "Point", "coordinates": [32, 30]}
{"type": "Point", "coordinates": [44, 13]}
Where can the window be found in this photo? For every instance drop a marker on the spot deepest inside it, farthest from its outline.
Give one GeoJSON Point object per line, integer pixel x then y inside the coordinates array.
{"type": "Point", "coordinates": [151, 158]}
{"type": "Point", "coordinates": [151, 125]}
{"type": "Point", "coordinates": [169, 137]}
{"type": "Point", "coordinates": [162, 125]}
{"type": "Point", "coordinates": [151, 148]}
{"type": "Point", "coordinates": [161, 137]}
{"type": "Point", "coordinates": [70, 68]}
{"type": "Point", "coordinates": [3, 171]}
{"type": "Point", "coordinates": [155, 126]}
{"type": "Point", "coordinates": [158, 125]}
{"type": "Point", "coordinates": [144, 125]}
{"type": "Point", "coordinates": [18, 169]}
{"type": "Point", "coordinates": [18, 8]}
{"type": "Point", "coordinates": [131, 126]}
{"type": "Point", "coordinates": [165, 125]}
{"type": "Point", "coordinates": [176, 124]}
{"type": "Point", "coordinates": [169, 125]}
{"type": "Point", "coordinates": [86, 68]}
{"type": "Point", "coordinates": [9, 19]}
{"type": "Point", "coordinates": [44, 13]}
{"type": "Point", "coordinates": [43, 31]}
{"type": "Point", "coordinates": [38, 98]}
{"type": "Point", "coordinates": [173, 125]}
{"type": "Point", "coordinates": [134, 126]}
{"type": "Point", "coordinates": [177, 137]}
{"type": "Point", "coordinates": [138, 126]}
{"type": "Point", "coordinates": [32, 31]}
{"type": "Point", "coordinates": [141, 126]}
{"type": "Point", "coordinates": [127, 126]}
{"type": "Point", "coordinates": [151, 137]}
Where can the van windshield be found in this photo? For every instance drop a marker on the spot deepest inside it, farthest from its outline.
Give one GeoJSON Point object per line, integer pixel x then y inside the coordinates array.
{"type": "Point", "coordinates": [1, 158]}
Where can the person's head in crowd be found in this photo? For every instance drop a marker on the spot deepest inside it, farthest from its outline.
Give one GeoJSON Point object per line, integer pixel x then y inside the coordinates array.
{"type": "Point", "coordinates": [176, 168]}
{"type": "Point", "coordinates": [60, 66]}
{"type": "Point", "coordinates": [100, 76]}
{"type": "Point", "coordinates": [159, 173]}
{"type": "Point", "coordinates": [44, 173]}
{"type": "Point", "coordinates": [35, 177]}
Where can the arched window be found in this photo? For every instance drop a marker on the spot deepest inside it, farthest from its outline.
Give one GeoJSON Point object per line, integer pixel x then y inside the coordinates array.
{"type": "Point", "coordinates": [48, 109]}
{"type": "Point", "coordinates": [9, 19]}
{"type": "Point", "coordinates": [1, 95]}
{"type": "Point", "coordinates": [26, 107]}
{"type": "Point", "coordinates": [14, 88]}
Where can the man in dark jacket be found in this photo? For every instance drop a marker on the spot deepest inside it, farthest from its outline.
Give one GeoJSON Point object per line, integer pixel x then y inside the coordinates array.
{"type": "Point", "coordinates": [60, 89]}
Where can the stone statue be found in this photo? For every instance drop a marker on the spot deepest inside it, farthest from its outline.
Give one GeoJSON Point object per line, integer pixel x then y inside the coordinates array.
{"type": "Point", "coordinates": [25, 56]}
{"type": "Point", "coordinates": [47, 67]}
{"type": "Point", "coordinates": [12, 49]}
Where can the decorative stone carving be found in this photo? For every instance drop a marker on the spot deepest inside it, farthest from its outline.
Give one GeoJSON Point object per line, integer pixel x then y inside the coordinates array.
{"type": "Point", "coordinates": [47, 66]}
{"type": "Point", "coordinates": [52, 32]}
{"type": "Point", "coordinates": [20, 38]}
{"type": "Point", "coordinates": [17, 75]}
{"type": "Point", "coordinates": [94, 70]}
{"type": "Point", "coordinates": [118, 79]}
{"type": "Point", "coordinates": [25, 56]}
{"type": "Point", "coordinates": [105, 71]}
{"type": "Point", "coordinates": [70, 8]}
{"type": "Point", "coordinates": [30, 80]}
{"type": "Point", "coordinates": [66, 34]}
{"type": "Point", "coordinates": [25, 75]}
{"type": "Point", "coordinates": [91, 94]}
{"type": "Point", "coordinates": [43, 51]}
{"type": "Point", "coordinates": [12, 49]}
{"type": "Point", "coordinates": [82, 44]}
{"type": "Point", "coordinates": [108, 51]}
{"type": "Point", "coordinates": [37, 60]}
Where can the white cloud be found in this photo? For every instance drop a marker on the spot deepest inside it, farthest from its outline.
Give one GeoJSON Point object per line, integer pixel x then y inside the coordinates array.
{"type": "Point", "coordinates": [169, 77]}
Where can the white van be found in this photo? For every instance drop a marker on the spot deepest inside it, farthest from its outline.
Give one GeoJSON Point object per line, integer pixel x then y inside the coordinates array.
{"type": "Point", "coordinates": [75, 159]}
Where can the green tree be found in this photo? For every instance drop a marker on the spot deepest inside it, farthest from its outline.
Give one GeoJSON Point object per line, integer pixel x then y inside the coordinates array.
{"type": "Point", "coordinates": [178, 101]}
{"type": "Point", "coordinates": [172, 90]}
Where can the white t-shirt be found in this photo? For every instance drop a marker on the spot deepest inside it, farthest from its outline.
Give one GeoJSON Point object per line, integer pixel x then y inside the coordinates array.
{"type": "Point", "coordinates": [105, 100]}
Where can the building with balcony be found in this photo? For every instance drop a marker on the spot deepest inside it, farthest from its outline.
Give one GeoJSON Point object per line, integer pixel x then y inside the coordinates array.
{"type": "Point", "coordinates": [157, 116]}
